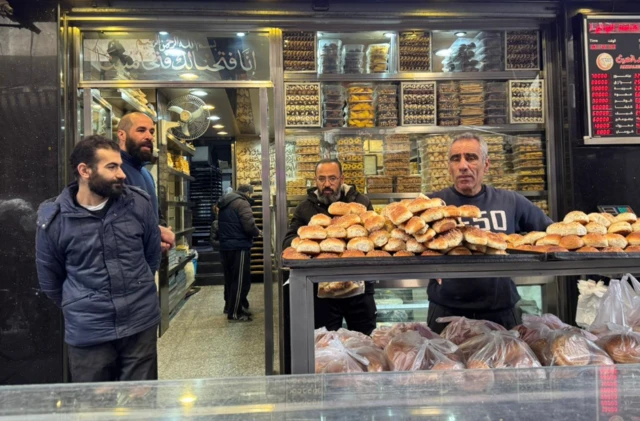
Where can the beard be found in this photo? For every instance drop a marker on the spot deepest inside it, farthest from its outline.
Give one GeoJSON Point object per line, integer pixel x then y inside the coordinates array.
{"type": "Point", "coordinates": [136, 151]}
{"type": "Point", "coordinates": [105, 188]}
{"type": "Point", "coordinates": [329, 196]}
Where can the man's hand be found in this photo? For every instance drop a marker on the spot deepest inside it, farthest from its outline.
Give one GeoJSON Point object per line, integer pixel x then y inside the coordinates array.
{"type": "Point", "coordinates": [439, 281]}
{"type": "Point", "coordinates": [168, 238]}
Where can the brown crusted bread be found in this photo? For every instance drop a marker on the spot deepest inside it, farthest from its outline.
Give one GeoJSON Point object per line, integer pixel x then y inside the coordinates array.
{"type": "Point", "coordinates": [336, 231]}
{"type": "Point", "coordinates": [414, 225]}
{"type": "Point", "coordinates": [395, 244]}
{"type": "Point", "coordinates": [571, 242]}
{"type": "Point", "coordinates": [549, 240]}
{"type": "Point", "coordinates": [622, 228]}
{"type": "Point", "coordinates": [366, 215]}
{"type": "Point", "coordinates": [347, 220]}
{"type": "Point", "coordinates": [577, 216]}
{"type": "Point", "coordinates": [616, 240]}
{"type": "Point", "coordinates": [400, 214]}
{"type": "Point", "coordinates": [432, 215]}
{"type": "Point", "coordinates": [476, 236]}
{"type": "Point", "coordinates": [494, 241]}
{"type": "Point", "coordinates": [378, 253]}
{"type": "Point", "coordinates": [419, 205]}
{"type": "Point", "coordinates": [450, 239]}
{"type": "Point", "coordinates": [357, 231]}
{"type": "Point", "coordinates": [588, 249]}
{"type": "Point", "coordinates": [328, 255]}
{"type": "Point", "coordinates": [625, 217]}
{"type": "Point", "coordinates": [514, 239]}
{"type": "Point", "coordinates": [379, 238]}
{"type": "Point", "coordinates": [504, 236]}
{"type": "Point", "coordinates": [612, 250]}
{"type": "Point", "coordinates": [460, 251]}
{"type": "Point", "coordinates": [470, 211]}
{"type": "Point", "coordinates": [451, 211]}
{"type": "Point", "coordinates": [320, 220]}
{"type": "Point", "coordinates": [533, 237]}
{"type": "Point", "coordinates": [634, 239]}
{"type": "Point", "coordinates": [492, 252]}
{"type": "Point", "coordinates": [386, 211]}
{"type": "Point", "coordinates": [292, 254]}
{"type": "Point", "coordinates": [444, 225]}
{"type": "Point", "coordinates": [423, 230]}
{"type": "Point", "coordinates": [332, 245]}
{"type": "Point", "coordinates": [609, 217]}
{"type": "Point", "coordinates": [427, 236]}
{"type": "Point", "coordinates": [414, 246]}
{"type": "Point", "coordinates": [360, 243]}
{"type": "Point", "coordinates": [525, 247]}
{"type": "Point", "coordinates": [430, 253]}
{"type": "Point", "coordinates": [555, 249]}
{"type": "Point", "coordinates": [595, 228]}
{"type": "Point", "coordinates": [399, 234]}
{"type": "Point", "coordinates": [567, 228]}
{"type": "Point", "coordinates": [295, 242]}
{"type": "Point", "coordinates": [624, 348]}
{"type": "Point", "coordinates": [374, 223]}
{"type": "Point", "coordinates": [632, 249]}
{"type": "Point", "coordinates": [635, 226]}
{"type": "Point", "coordinates": [476, 247]}
{"type": "Point", "coordinates": [357, 208]}
{"type": "Point", "coordinates": [403, 253]}
{"type": "Point", "coordinates": [339, 209]}
{"type": "Point", "coordinates": [312, 233]}
{"type": "Point", "coordinates": [599, 218]}
{"type": "Point", "coordinates": [352, 253]}
{"type": "Point", "coordinates": [595, 240]}
{"type": "Point", "coordinates": [308, 247]}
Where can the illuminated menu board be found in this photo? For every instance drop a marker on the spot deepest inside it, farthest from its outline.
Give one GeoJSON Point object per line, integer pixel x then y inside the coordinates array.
{"type": "Point", "coordinates": [612, 53]}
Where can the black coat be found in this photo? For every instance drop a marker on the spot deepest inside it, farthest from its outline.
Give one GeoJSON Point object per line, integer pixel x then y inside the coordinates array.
{"type": "Point", "coordinates": [236, 225]}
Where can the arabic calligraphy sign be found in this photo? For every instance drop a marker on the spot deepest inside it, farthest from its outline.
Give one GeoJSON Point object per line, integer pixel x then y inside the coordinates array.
{"type": "Point", "coordinates": [203, 57]}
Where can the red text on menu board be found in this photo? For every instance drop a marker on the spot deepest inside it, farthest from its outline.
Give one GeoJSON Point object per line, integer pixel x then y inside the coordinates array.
{"type": "Point", "coordinates": [636, 87]}
{"type": "Point", "coordinates": [614, 28]}
{"type": "Point", "coordinates": [601, 109]}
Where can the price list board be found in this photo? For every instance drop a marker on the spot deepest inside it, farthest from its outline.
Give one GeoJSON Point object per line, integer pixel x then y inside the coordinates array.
{"type": "Point", "coordinates": [612, 54]}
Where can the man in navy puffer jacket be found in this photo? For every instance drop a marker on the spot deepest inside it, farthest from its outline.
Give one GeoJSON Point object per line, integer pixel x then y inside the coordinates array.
{"type": "Point", "coordinates": [97, 249]}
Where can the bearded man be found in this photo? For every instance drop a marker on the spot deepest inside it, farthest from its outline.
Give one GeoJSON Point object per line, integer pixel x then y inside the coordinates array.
{"type": "Point", "coordinates": [97, 249]}
{"type": "Point", "coordinates": [359, 311]}
{"type": "Point", "coordinates": [136, 134]}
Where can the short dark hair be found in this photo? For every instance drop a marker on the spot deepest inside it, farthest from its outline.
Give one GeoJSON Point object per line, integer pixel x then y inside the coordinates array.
{"type": "Point", "coordinates": [85, 151]}
{"type": "Point", "coordinates": [245, 188]}
{"type": "Point", "coordinates": [329, 161]}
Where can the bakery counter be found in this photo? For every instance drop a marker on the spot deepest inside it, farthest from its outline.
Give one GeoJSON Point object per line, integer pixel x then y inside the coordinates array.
{"type": "Point", "coordinates": [567, 393]}
{"type": "Point", "coordinates": [411, 272]}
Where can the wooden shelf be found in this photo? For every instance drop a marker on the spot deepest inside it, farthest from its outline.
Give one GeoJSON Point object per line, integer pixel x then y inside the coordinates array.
{"type": "Point", "coordinates": [174, 143]}
{"type": "Point", "coordinates": [177, 173]}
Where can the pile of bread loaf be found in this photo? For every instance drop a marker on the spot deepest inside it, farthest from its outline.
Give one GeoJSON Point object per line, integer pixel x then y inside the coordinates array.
{"type": "Point", "coordinates": [592, 233]}
{"type": "Point", "coordinates": [421, 226]}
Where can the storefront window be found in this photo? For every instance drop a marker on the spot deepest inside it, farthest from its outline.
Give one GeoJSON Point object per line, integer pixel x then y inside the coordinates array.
{"type": "Point", "coordinates": [175, 56]}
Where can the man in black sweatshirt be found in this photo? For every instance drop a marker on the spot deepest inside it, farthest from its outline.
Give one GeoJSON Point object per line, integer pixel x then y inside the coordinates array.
{"type": "Point", "coordinates": [503, 211]}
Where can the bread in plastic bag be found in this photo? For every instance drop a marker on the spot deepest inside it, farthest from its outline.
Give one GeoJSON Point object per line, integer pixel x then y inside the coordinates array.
{"type": "Point", "coordinates": [382, 336]}
{"type": "Point", "coordinates": [461, 329]}
{"type": "Point", "coordinates": [353, 339]}
{"type": "Point", "coordinates": [409, 351]}
{"type": "Point", "coordinates": [378, 361]}
{"type": "Point", "coordinates": [572, 348]}
{"type": "Point", "coordinates": [336, 358]}
{"type": "Point", "coordinates": [323, 337]}
{"type": "Point", "coordinates": [550, 320]}
{"type": "Point", "coordinates": [345, 289]}
{"type": "Point", "coordinates": [622, 344]}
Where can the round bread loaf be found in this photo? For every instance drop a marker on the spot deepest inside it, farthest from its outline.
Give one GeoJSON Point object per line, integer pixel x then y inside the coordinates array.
{"type": "Point", "coordinates": [419, 205]}
{"type": "Point", "coordinates": [320, 220]}
{"type": "Point", "coordinates": [549, 240]}
{"type": "Point", "coordinates": [611, 250]}
{"type": "Point", "coordinates": [616, 240]}
{"type": "Point", "coordinates": [332, 245]}
{"type": "Point", "coordinates": [363, 244]}
{"type": "Point", "coordinates": [635, 226]}
{"type": "Point", "coordinates": [555, 249]}
{"type": "Point", "coordinates": [496, 252]}
{"type": "Point", "coordinates": [308, 247]}
{"type": "Point", "coordinates": [577, 216]}
{"type": "Point", "coordinates": [368, 214]}
{"type": "Point", "coordinates": [400, 214]}
{"type": "Point", "coordinates": [595, 240]}
{"type": "Point", "coordinates": [352, 253]}
{"type": "Point", "coordinates": [567, 228]}
{"type": "Point", "coordinates": [423, 230]}
{"type": "Point", "coordinates": [571, 242]}
{"type": "Point", "coordinates": [459, 251]}
{"type": "Point", "coordinates": [588, 249]}
{"type": "Point", "coordinates": [533, 237]}
{"type": "Point", "coordinates": [394, 245]}
{"type": "Point", "coordinates": [609, 217]}
{"type": "Point", "coordinates": [379, 238]}
{"type": "Point", "coordinates": [432, 215]}
{"type": "Point", "coordinates": [378, 253]}
{"type": "Point", "coordinates": [430, 253]}
{"type": "Point", "coordinates": [357, 208]}
{"type": "Point", "coordinates": [357, 231]}
{"type": "Point", "coordinates": [403, 253]}
{"type": "Point", "coordinates": [625, 217]}
{"type": "Point", "coordinates": [374, 223]}
{"type": "Point", "coordinates": [476, 236]}
{"type": "Point", "coordinates": [328, 255]}
{"type": "Point", "coordinates": [622, 228]}
{"type": "Point", "coordinates": [622, 348]}
{"type": "Point", "coordinates": [444, 225]}
{"type": "Point", "coordinates": [336, 231]}
{"type": "Point", "coordinates": [470, 211]}
{"type": "Point", "coordinates": [339, 209]}
{"type": "Point", "coordinates": [495, 241]}
{"type": "Point", "coordinates": [427, 236]}
{"type": "Point", "coordinates": [414, 225]}
{"type": "Point", "coordinates": [515, 240]}
{"type": "Point", "coordinates": [414, 246]}
{"type": "Point", "coordinates": [399, 234]}
{"type": "Point", "coordinates": [451, 211]}
{"type": "Point", "coordinates": [595, 228]}
{"type": "Point", "coordinates": [347, 220]}
{"type": "Point", "coordinates": [295, 242]}
{"type": "Point", "coordinates": [476, 247]}
{"type": "Point", "coordinates": [292, 254]}
{"type": "Point", "coordinates": [450, 239]}
{"type": "Point", "coordinates": [570, 350]}
{"type": "Point", "coordinates": [312, 233]}
{"type": "Point", "coordinates": [599, 218]}
{"type": "Point", "coordinates": [632, 249]}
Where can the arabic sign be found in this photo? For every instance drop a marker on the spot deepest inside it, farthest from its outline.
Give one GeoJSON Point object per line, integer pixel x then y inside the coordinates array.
{"type": "Point", "coordinates": [179, 56]}
{"type": "Point", "coordinates": [612, 52]}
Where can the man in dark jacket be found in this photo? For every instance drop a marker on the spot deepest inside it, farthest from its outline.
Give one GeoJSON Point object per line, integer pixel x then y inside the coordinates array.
{"type": "Point", "coordinates": [504, 211]}
{"type": "Point", "coordinates": [358, 311]}
{"type": "Point", "coordinates": [236, 230]}
{"type": "Point", "coordinates": [97, 249]}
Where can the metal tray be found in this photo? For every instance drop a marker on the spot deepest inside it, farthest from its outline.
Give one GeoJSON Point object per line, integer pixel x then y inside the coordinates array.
{"type": "Point", "coordinates": [574, 256]}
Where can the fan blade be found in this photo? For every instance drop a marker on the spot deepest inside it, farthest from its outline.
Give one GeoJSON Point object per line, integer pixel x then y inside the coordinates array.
{"type": "Point", "coordinates": [196, 114]}
{"type": "Point", "coordinates": [175, 109]}
{"type": "Point", "coordinates": [185, 129]}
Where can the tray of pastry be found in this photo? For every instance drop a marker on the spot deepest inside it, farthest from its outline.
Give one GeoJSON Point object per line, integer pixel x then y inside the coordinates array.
{"type": "Point", "coordinates": [523, 50]}
{"type": "Point", "coordinates": [302, 104]}
{"type": "Point", "coordinates": [299, 51]}
{"type": "Point", "coordinates": [415, 51]}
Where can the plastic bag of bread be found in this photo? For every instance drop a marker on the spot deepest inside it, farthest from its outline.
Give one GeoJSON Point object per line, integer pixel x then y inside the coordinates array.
{"type": "Point", "coordinates": [406, 351]}
{"type": "Point", "coordinates": [353, 339]}
{"type": "Point", "coordinates": [572, 348]}
{"type": "Point", "coordinates": [340, 289]}
{"type": "Point", "coordinates": [550, 320]}
{"type": "Point", "coordinates": [377, 359]}
{"type": "Point", "coordinates": [323, 337]}
{"type": "Point", "coordinates": [621, 343]}
{"type": "Point", "coordinates": [461, 329]}
{"type": "Point", "coordinates": [382, 336]}
{"type": "Point", "coordinates": [336, 358]}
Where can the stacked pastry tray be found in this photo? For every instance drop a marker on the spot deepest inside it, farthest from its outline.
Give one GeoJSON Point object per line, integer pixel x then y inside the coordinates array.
{"type": "Point", "coordinates": [418, 103]}
{"type": "Point", "coordinates": [299, 51]}
{"type": "Point", "coordinates": [397, 155]}
{"type": "Point", "coordinates": [415, 51]}
{"type": "Point", "coordinates": [433, 156]}
{"type": "Point", "coordinates": [529, 162]}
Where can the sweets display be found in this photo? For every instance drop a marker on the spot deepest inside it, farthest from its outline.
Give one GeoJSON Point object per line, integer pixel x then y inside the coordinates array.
{"type": "Point", "coordinates": [418, 103]}
{"type": "Point", "coordinates": [299, 51]}
{"type": "Point", "coordinates": [329, 56]}
{"type": "Point", "coordinates": [495, 99]}
{"type": "Point", "coordinates": [408, 184]}
{"type": "Point", "coordinates": [526, 98]}
{"type": "Point", "coordinates": [378, 58]}
{"type": "Point", "coordinates": [415, 51]}
{"type": "Point", "coordinates": [489, 51]}
{"type": "Point", "coordinates": [448, 104]}
{"type": "Point", "coordinates": [353, 58]}
{"type": "Point", "coordinates": [350, 152]}
{"type": "Point", "coordinates": [333, 101]}
{"type": "Point", "coordinates": [397, 155]}
{"type": "Point", "coordinates": [529, 155]}
{"type": "Point", "coordinates": [471, 103]}
{"type": "Point", "coordinates": [386, 99]}
{"type": "Point", "coordinates": [360, 110]}
{"type": "Point", "coordinates": [302, 104]}
{"type": "Point", "coordinates": [433, 152]}
{"type": "Point", "coordinates": [522, 50]}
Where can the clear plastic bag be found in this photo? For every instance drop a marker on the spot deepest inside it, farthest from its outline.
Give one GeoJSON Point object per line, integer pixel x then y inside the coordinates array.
{"type": "Point", "coordinates": [410, 351]}
{"type": "Point", "coordinates": [616, 307]}
{"type": "Point", "coordinates": [377, 359]}
{"type": "Point", "coordinates": [591, 294]}
{"type": "Point", "coordinates": [353, 339]}
{"type": "Point", "coordinates": [621, 343]}
{"type": "Point", "coordinates": [345, 289]}
{"type": "Point", "coordinates": [498, 349]}
{"type": "Point", "coordinates": [571, 348]}
{"type": "Point", "coordinates": [383, 335]}
{"type": "Point", "coordinates": [550, 320]}
{"type": "Point", "coordinates": [324, 337]}
{"type": "Point", "coordinates": [336, 358]}
{"type": "Point", "coordinates": [461, 329]}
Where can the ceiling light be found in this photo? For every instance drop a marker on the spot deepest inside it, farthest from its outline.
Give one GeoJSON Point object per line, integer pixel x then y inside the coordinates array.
{"type": "Point", "coordinates": [223, 133]}
{"type": "Point", "coordinates": [163, 33]}
{"type": "Point", "coordinates": [389, 34]}
{"type": "Point", "coordinates": [214, 118]}
{"type": "Point", "coordinates": [188, 76]}
{"type": "Point", "coordinates": [218, 126]}
{"type": "Point", "coordinates": [209, 107]}
{"type": "Point", "coordinates": [445, 52]}
{"type": "Point", "coordinates": [198, 92]}
{"type": "Point", "coordinates": [461, 34]}
{"type": "Point", "coordinates": [174, 52]}
{"type": "Point", "coordinates": [241, 34]}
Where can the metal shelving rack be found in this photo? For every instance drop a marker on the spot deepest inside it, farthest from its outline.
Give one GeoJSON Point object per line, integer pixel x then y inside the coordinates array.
{"type": "Point", "coordinates": [205, 191]}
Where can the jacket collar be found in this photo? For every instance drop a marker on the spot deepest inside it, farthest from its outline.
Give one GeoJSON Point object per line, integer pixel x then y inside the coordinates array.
{"type": "Point", "coordinates": [347, 192]}
{"type": "Point", "coordinates": [68, 206]}
{"type": "Point", "coordinates": [131, 160]}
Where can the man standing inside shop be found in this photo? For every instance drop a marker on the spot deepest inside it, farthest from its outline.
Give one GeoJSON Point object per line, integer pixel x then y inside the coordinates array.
{"type": "Point", "coordinates": [136, 133]}
{"type": "Point", "coordinates": [236, 230]}
{"type": "Point", "coordinates": [359, 311]}
{"type": "Point", "coordinates": [97, 249]}
{"type": "Point", "coordinates": [503, 211]}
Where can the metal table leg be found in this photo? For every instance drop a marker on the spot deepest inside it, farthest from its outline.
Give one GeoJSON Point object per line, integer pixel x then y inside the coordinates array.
{"type": "Point", "coordinates": [302, 323]}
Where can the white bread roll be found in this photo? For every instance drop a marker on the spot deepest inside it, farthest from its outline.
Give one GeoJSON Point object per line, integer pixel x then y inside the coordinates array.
{"type": "Point", "coordinates": [379, 238]}
{"type": "Point", "coordinates": [320, 220]}
{"type": "Point", "coordinates": [567, 228]}
{"type": "Point", "coordinates": [616, 241]}
{"type": "Point", "coordinates": [403, 253]}
{"type": "Point", "coordinates": [430, 253]}
{"type": "Point", "coordinates": [378, 253]}
{"type": "Point", "coordinates": [357, 231]}
{"type": "Point", "coordinates": [347, 220]}
{"type": "Point", "coordinates": [515, 239]}
{"type": "Point", "coordinates": [352, 253]}
{"type": "Point", "coordinates": [308, 247]}
{"type": "Point", "coordinates": [470, 211]}
{"type": "Point", "coordinates": [612, 250]}
{"type": "Point", "coordinates": [622, 228]}
{"type": "Point", "coordinates": [292, 254]}
{"type": "Point", "coordinates": [414, 225]}
{"type": "Point", "coordinates": [588, 249]}
{"type": "Point", "coordinates": [394, 245]}
{"type": "Point", "coordinates": [374, 223]}
{"type": "Point", "coordinates": [634, 239]}
{"type": "Point", "coordinates": [444, 225]}
{"type": "Point", "coordinates": [632, 249]}
{"type": "Point", "coordinates": [476, 236]}
{"type": "Point", "coordinates": [595, 240]}
{"type": "Point", "coordinates": [635, 226]}
{"type": "Point", "coordinates": [451, 211]}
{"type": "Point", "coordinates": [549, 240]}
{"type": "Point", "coordinates": [328, 255]}
{"type": "Point", "coordinates": [336, 231]}
{"type": "Point", "coordinates": [357, 208]}
{"type": "Point", "coordinates": [495, 252]}
{"type": "Point", "coordinates": [626, 217]}
{"type": "Point", "coordinates": [427, 236]}
{"type": "Point", "coordinates": [577, 216]}
{"type": "Point", "coordinates": [599, 218]}
{"type": "Point", "coordinates": [432, 215]}
{"type": "Point", "coordinates": [419, 205]}
{"type": "Point", "coordinates": [363, 244]}
{"type": "Point", "coordinates": [595, 228]}
{"type": "Point", "coordinates": [571, 242]}
{"type": "Point", "coordinates": [400, 215]}
{"type": "Point", "coordinates": [460, 251]}
{"type": "Point", "coordinates": [399, 234]}
{"type": "Point", "coordinates": [332, 245]}
{"type": "Point", "coordinates": [312, 233]}
{"type": "Point", "coordinates": [414, 246]}
{"type": "Point", "coordinates": [295, 242]}
{"type": "Point", "coordinates": [496, 242]}
{"type": "Point", "coordinates": [339, 209]}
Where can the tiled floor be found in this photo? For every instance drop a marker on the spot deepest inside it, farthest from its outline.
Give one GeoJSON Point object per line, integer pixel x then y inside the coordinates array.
{"type": "Point", "coordinates": [200, 343]}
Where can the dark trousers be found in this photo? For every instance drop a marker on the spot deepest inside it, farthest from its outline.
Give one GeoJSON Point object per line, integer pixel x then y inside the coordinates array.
{"type": "Point", "coordinates": [507, 318]}
{"type": "Point", "coordinates": [237, 279]}
{"type": "Point", "coordinates": [360, 313]}
{"type": "Point", "coordinates": [132, 358]}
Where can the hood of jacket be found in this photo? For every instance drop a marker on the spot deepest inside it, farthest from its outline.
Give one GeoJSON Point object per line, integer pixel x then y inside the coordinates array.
{"type": "Point", "coordinates": [228, 198]}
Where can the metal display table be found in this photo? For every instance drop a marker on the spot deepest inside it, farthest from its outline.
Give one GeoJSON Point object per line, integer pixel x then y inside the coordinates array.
{"type": "Point", "coordinates": [410, 272]}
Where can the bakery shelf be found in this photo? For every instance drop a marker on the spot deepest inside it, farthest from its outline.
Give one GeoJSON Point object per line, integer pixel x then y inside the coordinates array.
{"type": "Point", "coordinates": [411, 76]}
{"type": "Point", "coordinates": [180, 174]}
{"type": "Point", "coordinates": [175, 144]}
{"type": "Point", "coordinates": [507, 128]}
{"type": "Point", "coordinates": [181, 265]}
